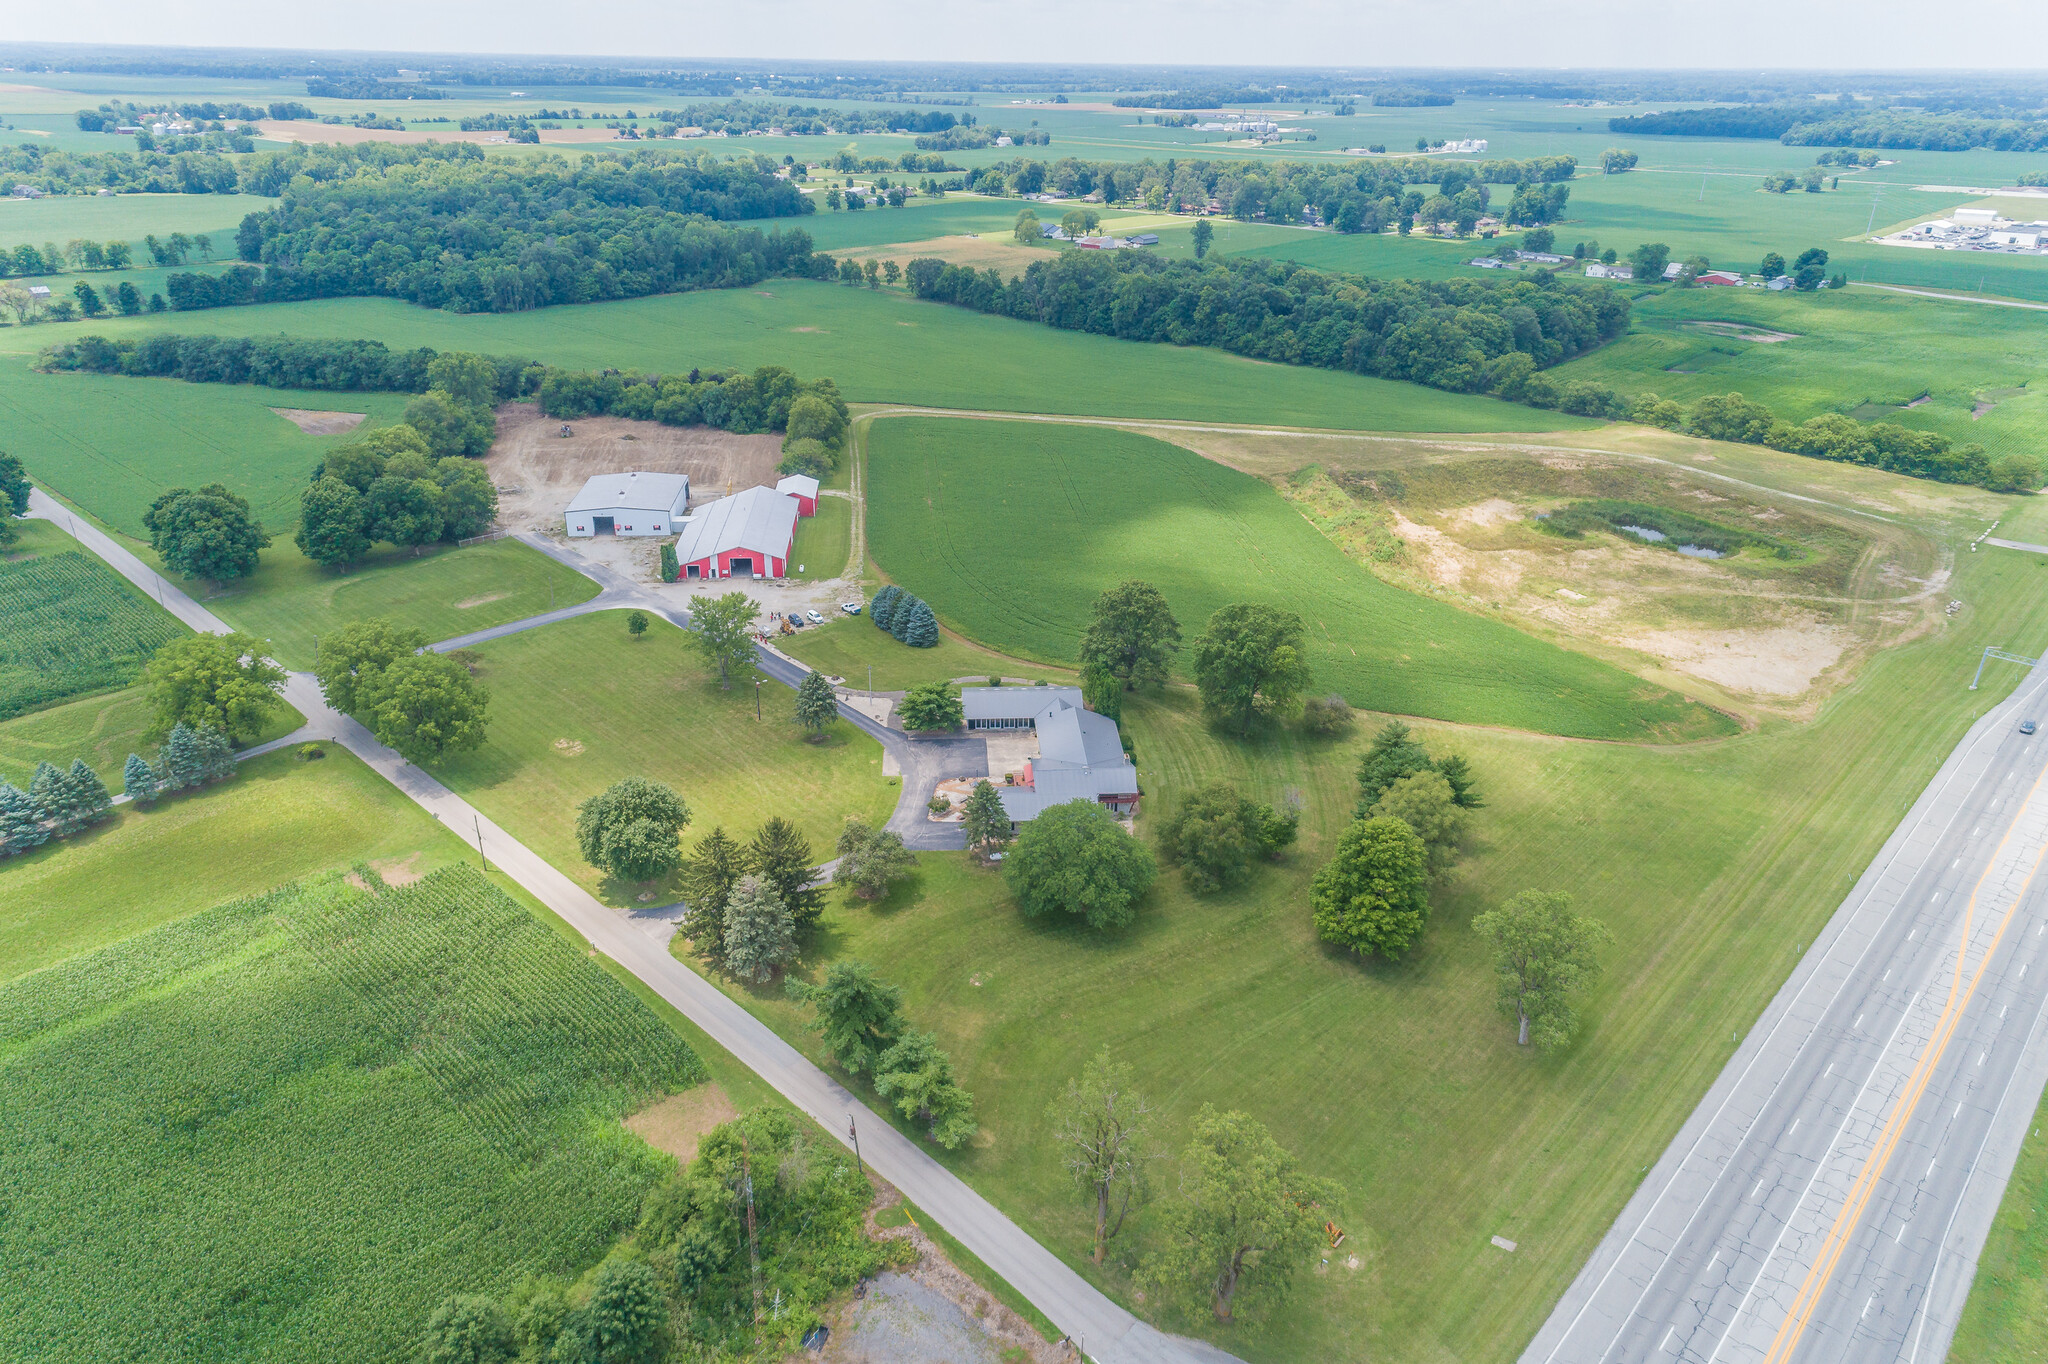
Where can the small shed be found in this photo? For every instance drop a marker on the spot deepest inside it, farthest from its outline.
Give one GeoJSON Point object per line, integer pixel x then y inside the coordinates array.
{"type": "Point", "coordinates": [628, 504]}
{"type": "Point", "coordinates": [804, 489]}
{"type": "Point", "coordinates": [747, 535]}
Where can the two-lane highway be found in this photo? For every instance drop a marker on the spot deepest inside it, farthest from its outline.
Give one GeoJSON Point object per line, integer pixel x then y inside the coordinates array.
{"type": "Point", "coordinates": [1828, 1199]}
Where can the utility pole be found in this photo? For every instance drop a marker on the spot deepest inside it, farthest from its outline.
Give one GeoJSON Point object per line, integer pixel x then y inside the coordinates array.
{"type": "Point", "coordinates": [478, 821]}
{"type": "Point", "coordinates": [753, 1241]}
{"type": "Point", "coordinates": [854, 1132]}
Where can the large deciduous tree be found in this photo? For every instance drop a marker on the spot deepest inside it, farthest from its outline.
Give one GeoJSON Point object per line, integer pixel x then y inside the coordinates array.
{"type": "Point", "coordinates": [1544, 957]}
{"type": "Point", "coordinates": [1100, 1121]}
{"type": "Point", "coordinates": [859, 1014]}
{"type": "Point", "coordinates": [632, 829]}
{"type": "Point", "coordinates": [870, 859]}
{"type": "Point", "coordinates": [1076, 859]}
{"type": "Point", "coordinates": [205, 534]}
{"type": "Point", "coordinates": [424, 705]}
{"type": "Point", "coordinates": [334, 524]}
{"type": "Point", "coordinates": [221, 680]}
{"type": "Point", "coordinates": [466, 1329]}
{"type": "Point", "coordinates": [931, 706]}
{"type": "Point", "coordinates": [469, 500]}
{"type": "Point", "coordinates": [722, 631]}
{"type": "Point", "coordinates": [1248, 1219]}
{"type": "Point", "coordinates": [1373, 896]}
{"type": "Point", "coordinates": [1216, 833]}
{"type": "Point", "coordinates": [1133, 635]}
{"type": "Point", "coordinates": [1250, 663]}
{"type": "Point", "coordinates": [353, 651]}
{"type": "Point", "coordinates": [1425, 803]}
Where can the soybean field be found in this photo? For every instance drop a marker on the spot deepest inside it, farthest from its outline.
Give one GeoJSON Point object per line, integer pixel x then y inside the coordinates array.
{"type": "Point", "coordinates": [285, 1128]}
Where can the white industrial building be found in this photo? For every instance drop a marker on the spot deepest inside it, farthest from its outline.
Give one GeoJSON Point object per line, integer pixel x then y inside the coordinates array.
{"type": "Point", "coordinates": [629, 504]}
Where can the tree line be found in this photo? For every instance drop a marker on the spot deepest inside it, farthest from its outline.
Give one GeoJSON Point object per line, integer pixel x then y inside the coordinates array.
{"type": "Point", "coordinates": [1447, 334]}
{"type": "Point", "coordinates": [350, 366]}
{"type": "Point", "coordinates": [1847, 125]}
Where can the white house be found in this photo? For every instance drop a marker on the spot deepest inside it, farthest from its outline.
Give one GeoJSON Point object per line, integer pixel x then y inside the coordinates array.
{"type": "Point", "coordinates": [1599, 271]}
{"type": "Point", "coordinates": [628, 504]}
{"type": "Point", "coordinates": [1080, 755]}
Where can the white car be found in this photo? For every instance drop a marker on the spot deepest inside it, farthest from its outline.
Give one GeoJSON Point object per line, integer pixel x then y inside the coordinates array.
{"type": "Point", "coordinates": [851, 608]}
{"type": "Point", "coordinates": [814, 618]}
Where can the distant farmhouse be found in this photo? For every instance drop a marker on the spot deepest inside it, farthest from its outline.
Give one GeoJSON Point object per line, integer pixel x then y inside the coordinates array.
{"type": "Point", "coordinates": [1080, 756]}
{"type": "Point", "coordinates": [1598, 271]}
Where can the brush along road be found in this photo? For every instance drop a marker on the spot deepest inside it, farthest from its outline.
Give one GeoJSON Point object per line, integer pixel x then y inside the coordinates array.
{"type": "Point", "coordinates": [1829, 1197]}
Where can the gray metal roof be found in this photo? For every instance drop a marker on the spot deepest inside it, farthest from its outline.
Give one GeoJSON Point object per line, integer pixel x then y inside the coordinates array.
{"type": "Point", "coordinates": [757, 519]}
{"type": "Point", "coordinates": [632, 492]}
{"type": "Point", "coordinates": [1014, 703]}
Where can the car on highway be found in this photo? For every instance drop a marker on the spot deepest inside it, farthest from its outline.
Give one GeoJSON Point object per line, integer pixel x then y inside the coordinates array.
{"type": "Point", "coordinates": [814, 618]}
{"type": "Point", "coordinates": [2026, 726]}
{"type": "Point", "coordinates": [851, 608]}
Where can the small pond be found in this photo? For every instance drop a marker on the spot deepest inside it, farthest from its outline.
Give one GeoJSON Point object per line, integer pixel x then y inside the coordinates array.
{"type": "Point", "coordinates": [1658, 537]}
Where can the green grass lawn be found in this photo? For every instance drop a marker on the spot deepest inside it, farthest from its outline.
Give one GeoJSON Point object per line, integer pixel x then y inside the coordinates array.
{"type": "Point", "coordinates": [69, 625]}
{"type": "Point", "coordinates": [2005, 1320]}
{"type": "Point", "coordinates": [1711, 863]}
{"type": "Point", "coordinates": [279, 818]}
{"type": "Point", "coordinates": [824, 543]}
{"type": "Point", "coordinates": [103, 730]}
{"type": "Point", "coordinates": [1859, 350]}
{"type": "Point", "coordinates": [325, 1110]}
{"type": "Point", "coordinates": [112, 444]}
{"type": "Point", "coordinates": [958, 512]}
{"type": "Point", "coordinates": [879, 345]}
{"type": "Point", "coordinates": [849, 647]}
{"type": "Point", "coordinates": [290, 600]}
{"type": "Point", "coordinates": [578, 705]}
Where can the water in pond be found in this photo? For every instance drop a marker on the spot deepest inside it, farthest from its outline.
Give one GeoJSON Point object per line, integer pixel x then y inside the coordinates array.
{"type": "Point", "coordinates": [1700, 552]}
{"type": "Point", "coordinates": [1644, 533]}
{"type": "Point", "coordinates": [1658, 537]}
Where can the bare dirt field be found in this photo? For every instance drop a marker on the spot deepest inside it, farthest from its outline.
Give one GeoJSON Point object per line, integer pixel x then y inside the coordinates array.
{"type": "Point", "coordinates": [1003, 252]}
{"type": "Point", "coordinates": [538, 471]}
{"type": "Point", "coordinates": [676, 1124]}
{"type": "Point", "coordinates": [320, 423]}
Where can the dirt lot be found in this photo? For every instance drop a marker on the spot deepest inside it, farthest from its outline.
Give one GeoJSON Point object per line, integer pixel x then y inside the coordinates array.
{"type": "Point", "coordinates": [320, 423]}
{"type": "Point", "coordinates": [537, 470]}
{"type": "Point", "coordinates": [677, 1123]}
{"type": "Point", "coordinates": [1002, 251]}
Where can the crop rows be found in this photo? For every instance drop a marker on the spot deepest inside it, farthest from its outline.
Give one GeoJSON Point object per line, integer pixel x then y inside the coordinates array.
{"type": "Point", "coordinates": [285, 1128]}
{"type": "Point", "coordinates": [69, 626]}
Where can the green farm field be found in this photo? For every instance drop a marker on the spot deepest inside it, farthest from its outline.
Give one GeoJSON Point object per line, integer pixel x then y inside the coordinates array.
{"type": "Point", "coordinates": [111, 444]}
{"type": "Point", "coordinates": [562, 728]}
{"type": "Point", "coordinates": [60, 218]}
{"type": "Point", "coordinates": [1711, 863]}
{"type": "Point", "coordinates": [290, 600]}
{"type": "Point", "coordinates": [327, 1109]}
{"type": "Point", "coordinates": [952, 504]}
{"type": "Point", "coordinates": [69, 625]}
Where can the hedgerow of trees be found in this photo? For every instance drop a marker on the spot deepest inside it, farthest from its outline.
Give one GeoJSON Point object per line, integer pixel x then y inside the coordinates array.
{"type": "Point", "coordinates": [1837, 125]}
{"type": "Point", "coordinates": [860, 1017]}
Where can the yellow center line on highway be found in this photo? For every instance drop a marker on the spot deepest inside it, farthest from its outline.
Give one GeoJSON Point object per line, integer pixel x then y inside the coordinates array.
{"type": "Point", "coordinates": [1959, 995]}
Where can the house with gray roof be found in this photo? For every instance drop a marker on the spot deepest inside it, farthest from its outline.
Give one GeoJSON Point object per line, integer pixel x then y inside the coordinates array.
{"type": "Point", "coordinates": [1080, 754]}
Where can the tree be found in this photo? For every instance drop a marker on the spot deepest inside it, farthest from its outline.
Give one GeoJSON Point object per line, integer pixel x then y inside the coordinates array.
{"type": "Point", "coordinates": [1773, 265]}
{"type": "Point", "coordinates": [180, 763]}
{"type": "Point", "coordinates": [1647, 262]}
{"type": "Point", "coordinates": [219, 680]}
{"type": "Point", "coordinates": [781, 855]}
{"type": "Point", "coordinates": [1132, 635]}
{"type": "Point", "coordinates": [920, 626]}
{"type": "Point", "coordinates": [1424, 802]}
{"type": "Point", "coordinates": [709, 874]}
{"type": "Point", "coordinates": [917, 1077]}
{"type": "Point", "coordinates": [1202, 236]}
{"type": "Point", "coordinates": [984, 820]}
{"type": "Point", "coordinates": [1393, 754]}
{"type": "Point", "coordinates": [882, 610]}
{"type": "Point", "coordinates": [1614, 161]}
{"type": "Point", "coordinates": [1538, 239]}
{"type": "Point", "coordinates": [632, 829]}
{"type": "Point", "coordinates": [860, 1015]}
{"type": "Point", "coordinates": [88, 798]}
{"type": "Point", "coordinates": [138, 781]}
{"type": "Point", "coordinates": [1101, 692]}
{"type": "Point", "coordinates": [1027, 229]}
{"type": "Point", "coordinates": [14, 486]}
{"type": "Point", "coordinates": [1326, 716]}
{"type": "Point", "coordinates": [425, 706]}
{"type": "Point", "coordinates": [1545, 956]}
{"type": "Point", "coordinates": [900, 617]}
{"type": "Point", "coordinates": [89, 301]}
{"type": "Point", "coordinates": [20, 830]}
{"type": "Point", "coordinates": [453, 429]}
{"type": "Point", "coordinates": [127, 297]}
{"type": "Point", "coordinates": [1248, 1216]}
{"type": "Point", "coordinates": [469, 501]}
{"type": "Point", "coordinates": [1810, 269]}
{"type": "Point", "coordinates": [469, 1330]}
{"type": "Point", "coordinates": [1076, 859]}
{"type": "Point", "coordinates": [333, 524]}
{"type": "Point", "coordinates": [467, 378]}
{"type": "Point", "coordinates": [722, 630]}
{"type": "Point", "coordinates": [626, 1320]}
{"type": "Point", "coordinates": [1250, 663]}
{"type": "Point", "coordinates": [204, 534]}
{"type": "Point", "coordinates": [932, 706]}
{"type": "Point", "coordinates": [353, 651]}
{"type": "Point", "coordinates": [813, 418]}
{"type": "Point", "coordinates": [870, 859]}
{"type": "Point", "coordinates": [1216, 833]}
{"type": "Point", "coordinates": [1079, 222]}
{"type": "Point", "coordinates": [404, 511]}
{"type": "Point", "coordinates": [817, 705]}
{"type": "Point", "coordinates": [636, 624]}
{"type": "Point", "coordinates": [1100, 1120]}
{"type": "Point", "coordinates": [759, 937]}
{"type": "Point", "coordinates": [1373, 895]}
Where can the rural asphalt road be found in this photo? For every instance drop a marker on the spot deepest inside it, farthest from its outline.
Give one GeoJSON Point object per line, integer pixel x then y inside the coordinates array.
{"type": "Point", "coordinates": [1105, 1331]}
{"type": "Point", "coordinates": [1830, 1196]}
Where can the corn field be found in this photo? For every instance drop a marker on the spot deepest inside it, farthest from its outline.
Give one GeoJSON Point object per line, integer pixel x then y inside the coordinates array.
{"type": "Point", "coordinates": [68, 626]}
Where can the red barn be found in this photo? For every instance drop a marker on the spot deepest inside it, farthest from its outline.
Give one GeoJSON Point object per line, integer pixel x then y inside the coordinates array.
{"type": "Point", "coordinates": [747, 535]}
{"type": "Point", "coordinates": [804, 489]}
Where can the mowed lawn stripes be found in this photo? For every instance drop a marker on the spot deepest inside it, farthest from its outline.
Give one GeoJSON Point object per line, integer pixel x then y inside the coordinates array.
{"type": "Point", "coordinates": [1010, 530]}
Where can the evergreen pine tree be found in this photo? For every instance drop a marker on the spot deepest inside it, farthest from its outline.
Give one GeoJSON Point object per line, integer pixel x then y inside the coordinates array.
{"type": "Point", "coordinates": [920, 627]}
{"type": "Point", "coordinates": [899, 619]}
{"type": "Point", "coordinates": [759, 938]}
{"type": "Point", "coordinates": [780, 855]}
{"type": "Point", "coordinates": [138, 780]}
{"type": "Point", "coordinates": [216, 754]}
{"type": "Point", "coordinates": [91, 801]}
{"type": "Point", "coordinates": [986, 822]}
{"type": "Point", "coordinates": [883, 608]}
{"type": "Point", "coordinates": [181, 763]}
{"type": "Point", "coordinates": [19, 830]}
{"type": "Point", "coordinates": [710, 872]}
{"type": "Point", "coordinates": [48, 797]}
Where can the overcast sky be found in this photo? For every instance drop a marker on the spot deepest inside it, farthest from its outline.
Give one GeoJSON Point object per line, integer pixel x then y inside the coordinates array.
{"type": "Point", "coordinates": [1806, 34]}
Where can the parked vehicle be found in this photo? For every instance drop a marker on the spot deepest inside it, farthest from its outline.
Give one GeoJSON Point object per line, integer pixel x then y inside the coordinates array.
{"type": "Point", "coordinates": [796, 620]}
{"type": "Point", "coordinates": [851, 608]}
{"type": "Point", "coordinates": [814, 618]}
